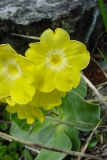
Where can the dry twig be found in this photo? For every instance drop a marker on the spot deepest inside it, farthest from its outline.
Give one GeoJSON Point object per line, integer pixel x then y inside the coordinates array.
{"type": "Point", "coordinates": [30, 37]}
{"type": "Point", "coordinates": [31, 144]}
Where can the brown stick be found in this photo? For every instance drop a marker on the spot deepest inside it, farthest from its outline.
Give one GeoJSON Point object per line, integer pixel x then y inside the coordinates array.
{"type": "Point", "coordinates": [49, 148]}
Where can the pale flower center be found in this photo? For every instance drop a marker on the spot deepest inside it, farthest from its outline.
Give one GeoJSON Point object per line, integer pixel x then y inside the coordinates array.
{"type": "Point", "coordinates": [11, 70]}
{"type": "Point", "coordinates": [56, 60]}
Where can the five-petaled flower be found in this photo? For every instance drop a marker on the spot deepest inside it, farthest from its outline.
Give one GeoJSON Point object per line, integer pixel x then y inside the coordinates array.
{"type": "Point", "coordinates": [50, 69]}
{"type": "Point", "coordinates": [16, 76]}
{"type": "Point", "coordinates": [58, 61]}
{"type": "Point", "coordinates": [27, 112]}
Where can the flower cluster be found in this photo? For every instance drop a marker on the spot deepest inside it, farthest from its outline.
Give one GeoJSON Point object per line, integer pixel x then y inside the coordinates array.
{"type": "Point", "coordinates": [49, 69]}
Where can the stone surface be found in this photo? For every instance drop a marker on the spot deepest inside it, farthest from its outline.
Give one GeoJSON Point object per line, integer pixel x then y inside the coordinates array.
{"type": "Point", "coordinates": [32, 17]}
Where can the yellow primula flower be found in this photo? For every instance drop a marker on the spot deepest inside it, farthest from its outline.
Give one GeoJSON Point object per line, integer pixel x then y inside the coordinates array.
{"type": "Point", "coordinates": [16, 76]}
{"type": "Point", "coordinates": [58, 61]}
{"type": "Point", "coordinates": [47, 100]}
{"type": "Point", "coordinates": [32, 110]}
{"type": "Point", "coordinates": [27, 112]}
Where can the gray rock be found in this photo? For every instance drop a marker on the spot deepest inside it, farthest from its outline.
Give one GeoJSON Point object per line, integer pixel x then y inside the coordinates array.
{"type": "Point", "coordinates": [32, 17]}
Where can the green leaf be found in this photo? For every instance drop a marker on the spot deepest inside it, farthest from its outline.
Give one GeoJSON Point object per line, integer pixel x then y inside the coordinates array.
{"type": "Point", "coordinates": [3, 150]}
{"type": "Point", "coordinates": [12, 145]}
{"type": "Point", "coordinates": [16, 131]}
{"type": "Point", "coordinates": [7, 157]}
{"type": "Point", "coordinates": [103, 12]}
{"type": "Point", "coordinates": [74, 110]}
{"type": "Point", "coordinates": [93, 143]}
{"type": "Point", "coordinates": [6, 115]}
{"type": "Point", "coordinates": [0, 142]}
{"type": "Point", "coordinates": [21, 123]}
{"type": "Point", "coordinates": [27, 155]}
{"type": "Point", "coordinates": [102, 55]}
{"type": "Point", "coordinates": [51, 135]}
{"type": "Point", "coordinates": [4, 126]}
{"type": "Point", "coordinates": [14, 156]}
{"type": "Point", "coordinates": [73, 135]}
{"type": "Point", "coordinates": [84, 116]}
{"type": "Point", "coordinates": [42, 136]}
{"type": "Point", "coordinates": [19, 146]}
{"type": "Point", "coordinates": [81, 89]}
{"type": "Point", "coordinates": [59, 140]}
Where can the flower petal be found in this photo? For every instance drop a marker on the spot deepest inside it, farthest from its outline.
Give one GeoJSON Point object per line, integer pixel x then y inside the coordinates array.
{"type": "Point", "coordinates": [61, 38]}
{"type": "Point", "coordinates": [37, 57]}
{"type": "Point", "coordinates": [6, 51]}
{"type": "Point", "coordinates": [39, 48]}
{"type": "Point", "coordinates": [4, 87]}
{"type": "Point", "coordinates": [50, 100]}
{"type": "Point", "coordinates": [30, 119]}
{"type": "Point", "coordinates": [73, 48]}
{"type": "Point", "coordinates": [77, 55]}
{"type": "Point", "coordinates": [55, 40]}
{"type": "Point", "coordinates": [24, 113]}
{"type": "Point", "coordinates": [11, 109]}
{"type": "Point", "coordinates": [9, 101]}
{"type": "Point", "coordinates": [80, 61]}
{"type": "Point", "coordinates": [27, 67]}
{"type": "Point", "coordinates": [37, 113]}
{"type": "Point", "coordinates": [21, 111]}
{"type": "Point", "coordinates": [66, 79]}
{"type": "Point", "coordinates": [21, 92]}
{"type": "Point", "coordinates": [45, 81]}
{"type": "Point", "coordinates": [62, 94]}
{"type": "Point", "coordinates": [36, 99]}
{"type": "Point", "coordinates": [48, 37]}
{"type": "Point", "coordinates": [3, 100]}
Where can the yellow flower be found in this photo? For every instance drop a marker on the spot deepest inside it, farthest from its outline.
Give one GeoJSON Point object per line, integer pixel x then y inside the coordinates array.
{"type": "Point", "coordinates": [47, 100]}
{"type": "Point", "coordinates": [16, 76]}
{"type": "Point", "coordinates": [27, 112]}
{"type": "Point", "coordinates": [58, 61]}
{"type": "Point", "coordinates": [32, 110]}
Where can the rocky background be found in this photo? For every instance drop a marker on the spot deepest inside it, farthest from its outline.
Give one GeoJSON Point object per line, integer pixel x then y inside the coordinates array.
{"type": "Point", "coordinates": [32, 17]}
{"type": "Point", "coordinates": [82, 19]}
